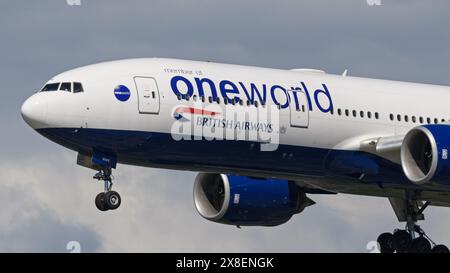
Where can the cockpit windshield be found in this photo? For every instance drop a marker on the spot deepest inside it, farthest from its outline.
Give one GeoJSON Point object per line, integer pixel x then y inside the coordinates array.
{"type": "Point", "coordinates": [50, 87]}
{"type": "Point", "coordinates": [66, 86]}
{"type": "Point", "coordinates": [76, 87]}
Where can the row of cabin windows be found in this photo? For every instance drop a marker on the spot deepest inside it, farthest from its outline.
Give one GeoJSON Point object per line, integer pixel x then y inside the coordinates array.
{"type": "Point", "coordinates": [339, 112]}
{"type": "Point", "coordinates": [392, 117]}
{"type": "Point", "coordinates": [354, 113]}
{"type": "Point", "coordinates": [414, 119]}
{"type": "Point", "coordinates": [230, 101]}
{"type": "Point", "coordinates": [218, 100]}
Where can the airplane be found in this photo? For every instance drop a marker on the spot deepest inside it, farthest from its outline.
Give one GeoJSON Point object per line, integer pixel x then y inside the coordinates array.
{"type": "Point", "coordinates": [262, 140]}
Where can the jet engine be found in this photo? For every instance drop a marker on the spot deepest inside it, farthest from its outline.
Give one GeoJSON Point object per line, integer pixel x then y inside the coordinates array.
{"type": "Point", "coordinates": [246, 201]}
{"type": "Point", "coordinates": [424, 154]}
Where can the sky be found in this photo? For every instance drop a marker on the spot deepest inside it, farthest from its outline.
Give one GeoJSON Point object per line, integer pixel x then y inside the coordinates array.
{"type": "Point", "coordinates": [48, 201]}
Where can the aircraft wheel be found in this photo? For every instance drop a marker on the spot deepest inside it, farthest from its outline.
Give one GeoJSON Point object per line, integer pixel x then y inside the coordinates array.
{"type": "Point", "coordinates": [402, 240]}
{"type": "Point", "coordinates": [420, 245]}
{"type": "Point", "coordinates": [112, 200]}
{"type": "Point", "coordinates": [100, 202]}
{"type": "Point", "coordinates": [387, 243]}
{"type": "Point", "coordinates": [440, 249]}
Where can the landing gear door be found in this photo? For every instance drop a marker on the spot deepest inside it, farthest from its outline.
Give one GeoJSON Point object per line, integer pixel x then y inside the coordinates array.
{"type": "Point", "coordinates": [148, 95]}
{"type": "Point", "coordinates": [299, 110]}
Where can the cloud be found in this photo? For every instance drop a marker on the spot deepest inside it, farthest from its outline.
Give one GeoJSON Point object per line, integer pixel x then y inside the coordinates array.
{"type": "Point", "coordinates": [50, 202]}
{"type": "Point", "coordinates": [28, 224]}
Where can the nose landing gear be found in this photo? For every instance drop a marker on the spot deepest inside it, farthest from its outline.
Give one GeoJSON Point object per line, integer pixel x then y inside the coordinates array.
{"type": "Point", "coordinates": [107, 200]}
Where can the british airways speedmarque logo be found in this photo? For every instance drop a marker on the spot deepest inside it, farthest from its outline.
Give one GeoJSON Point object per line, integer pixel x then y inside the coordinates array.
{"type": "Point", "coordinates": [181, 112]}
{"type": "Point", "coordinates": [216, 119]}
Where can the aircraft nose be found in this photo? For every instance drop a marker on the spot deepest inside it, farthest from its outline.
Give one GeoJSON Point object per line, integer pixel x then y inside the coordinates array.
{"type": "Point", "coordinates": [34, 111]}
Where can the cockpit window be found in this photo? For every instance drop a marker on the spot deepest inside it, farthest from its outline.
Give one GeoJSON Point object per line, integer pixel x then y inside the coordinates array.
{"type": "Point", "coordinates": [66, 86]}
{"type": "Point", "coordinates": [77, 87]}
{"type": "Point", "coordinates": [50, 87]}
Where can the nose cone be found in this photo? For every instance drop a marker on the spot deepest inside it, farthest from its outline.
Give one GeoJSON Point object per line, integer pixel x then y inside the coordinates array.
{"type": "Point", "coordinates": [34, 111]}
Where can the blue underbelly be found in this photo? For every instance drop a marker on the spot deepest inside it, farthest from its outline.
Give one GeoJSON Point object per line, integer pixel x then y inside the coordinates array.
{"type": "Point", "coordinates": [160, 149]}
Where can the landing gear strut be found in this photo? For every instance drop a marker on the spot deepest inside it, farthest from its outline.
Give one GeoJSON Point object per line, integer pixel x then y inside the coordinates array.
{"type": "Point", "coordinates": [412, 239]}
{"type": "Point", "coordinates": [107, 200]}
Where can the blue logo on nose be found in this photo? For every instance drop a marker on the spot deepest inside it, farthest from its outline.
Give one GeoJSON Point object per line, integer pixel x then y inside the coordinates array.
{"type": "Point", "coordinates": [122, 93]}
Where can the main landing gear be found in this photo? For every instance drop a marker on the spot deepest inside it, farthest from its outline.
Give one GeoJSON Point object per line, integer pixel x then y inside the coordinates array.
{"type": "Point", "coordinates": [107, 200]}
{"type": "Point", "coordinates": [405, 240]}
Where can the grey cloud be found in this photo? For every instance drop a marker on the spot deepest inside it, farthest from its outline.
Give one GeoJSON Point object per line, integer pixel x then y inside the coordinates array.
{"type": "Point", "coordinates": [27, 225]}
{"type": "Point", "coordinates": [53, 202]}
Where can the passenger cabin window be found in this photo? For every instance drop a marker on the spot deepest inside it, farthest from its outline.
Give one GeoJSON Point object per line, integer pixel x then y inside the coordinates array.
{"type": "Point", "coordinates": [50, 87]}
{"type": "Point", "coordinates": [77, 87]}
{"type": "Point", "coordinates": [66, 86]}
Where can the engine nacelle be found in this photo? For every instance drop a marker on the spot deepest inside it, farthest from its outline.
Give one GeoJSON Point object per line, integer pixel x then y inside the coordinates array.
{"type": "Point", "coordinates": [424, 154]}
{"type": "Point", "coordinates": [245, 201]}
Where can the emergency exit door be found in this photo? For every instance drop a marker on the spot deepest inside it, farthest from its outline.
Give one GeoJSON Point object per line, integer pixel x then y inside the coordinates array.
{"type": "Point", "coordinates": [299, 109]}
{"type": "Point", "coordinates": [148, 95]}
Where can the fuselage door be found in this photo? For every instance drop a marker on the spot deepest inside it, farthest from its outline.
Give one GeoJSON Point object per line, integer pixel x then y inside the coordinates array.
{"type": "Point", "coordinates": [299, 110]}
{"type": "Point", "coordinates": [148, 95]}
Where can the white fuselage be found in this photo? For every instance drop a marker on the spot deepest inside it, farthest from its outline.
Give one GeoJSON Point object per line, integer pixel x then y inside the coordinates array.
{"type": "Point", "coordinates": [315, 111]}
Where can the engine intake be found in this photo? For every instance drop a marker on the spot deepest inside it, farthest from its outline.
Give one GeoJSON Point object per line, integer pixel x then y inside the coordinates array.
{"type": "Point", "coordinates": [245, 201]}
{"type": "Point", "coordinates": [424, 154]}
